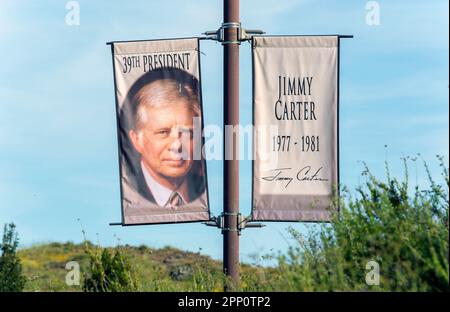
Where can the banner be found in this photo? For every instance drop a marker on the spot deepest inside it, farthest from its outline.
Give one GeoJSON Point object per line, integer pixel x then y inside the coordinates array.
{"type": "Point", "coordinates": [295, 98]}
{"type": "Point", "coordinates": [159, 119]}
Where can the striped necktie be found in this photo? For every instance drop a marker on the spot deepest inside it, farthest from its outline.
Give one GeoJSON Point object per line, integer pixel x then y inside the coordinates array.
{"type": "Point", "coordinates": [175, 200]}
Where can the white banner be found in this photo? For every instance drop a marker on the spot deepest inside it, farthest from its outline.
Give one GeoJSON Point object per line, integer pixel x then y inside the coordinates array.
{"type": "Point", "coordinates": [295, 116]}
{"type": "Point", "coordinates": [159, 114]}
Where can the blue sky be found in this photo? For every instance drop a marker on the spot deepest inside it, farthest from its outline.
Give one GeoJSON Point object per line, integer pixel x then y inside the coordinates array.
{"type": "Point", "coordinates": [58, 159]}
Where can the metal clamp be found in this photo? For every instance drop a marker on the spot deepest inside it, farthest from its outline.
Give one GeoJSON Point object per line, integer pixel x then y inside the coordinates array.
{"type": "Point", "coordinates": [242, 34]}
{"type": "Point", "coordinates": [222, 222]}
{"type": "Point", "coordinates": [241, 222]}
{"type": "Point", "coordinates": [227, 26]}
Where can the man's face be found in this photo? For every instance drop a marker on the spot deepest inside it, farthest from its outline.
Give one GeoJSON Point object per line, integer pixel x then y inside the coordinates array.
{"type": "Point", "coordinates": [165, 141]}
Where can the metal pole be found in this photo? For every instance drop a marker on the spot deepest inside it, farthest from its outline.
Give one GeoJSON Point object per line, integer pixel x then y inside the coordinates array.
{"type": "Point", "coordinates": [231, 166]}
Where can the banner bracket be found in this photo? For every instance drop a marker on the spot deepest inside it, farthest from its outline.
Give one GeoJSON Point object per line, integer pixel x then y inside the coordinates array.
{"type": "Point", "coordinates": [242, 34]}
{"type": "Point", "coordinates": [242, 222]}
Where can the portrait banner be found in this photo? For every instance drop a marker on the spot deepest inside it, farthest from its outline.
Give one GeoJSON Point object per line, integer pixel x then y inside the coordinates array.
{"type": "Point", "coordinates": [295, 107]}
{"type": "Point", "coordinates": [159, 124]}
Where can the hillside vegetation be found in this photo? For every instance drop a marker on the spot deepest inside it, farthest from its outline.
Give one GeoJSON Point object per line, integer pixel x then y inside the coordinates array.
{"type": "Point", "coordinates": [167, 269]}
{"type": "Point", "coordinates": [388, 236]}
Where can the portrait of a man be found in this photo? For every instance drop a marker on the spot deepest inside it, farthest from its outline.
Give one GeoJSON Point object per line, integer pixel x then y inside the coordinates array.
{"type": "Point", "coordinates": [157, 123]}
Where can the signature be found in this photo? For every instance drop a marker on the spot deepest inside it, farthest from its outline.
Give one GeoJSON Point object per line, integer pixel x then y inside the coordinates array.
{"type": "Point", "coordinates": [304, 174]}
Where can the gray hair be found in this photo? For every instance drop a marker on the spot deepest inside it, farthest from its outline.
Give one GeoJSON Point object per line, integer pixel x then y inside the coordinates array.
{"type": "Point", "coordinates": [160, 93]}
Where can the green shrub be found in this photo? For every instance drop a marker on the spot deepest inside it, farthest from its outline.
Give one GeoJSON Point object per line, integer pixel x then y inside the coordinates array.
{"type": "Point", "coordinates": [406, 232]}
{"type": "Point", "coordinates": [11, 278]}
{"type": "Point", "coordinates": [108, 272]}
